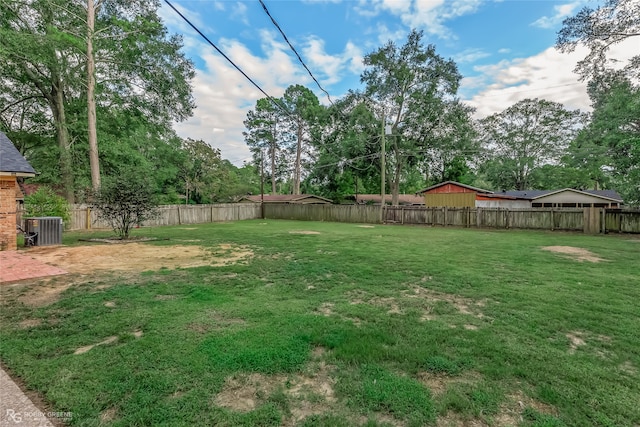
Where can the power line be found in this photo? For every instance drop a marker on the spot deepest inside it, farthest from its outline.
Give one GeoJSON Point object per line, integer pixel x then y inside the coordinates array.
{"type": "Point", "coordinates": [294, 50]}
{"type": "Point", "coordinates": [272, 99]}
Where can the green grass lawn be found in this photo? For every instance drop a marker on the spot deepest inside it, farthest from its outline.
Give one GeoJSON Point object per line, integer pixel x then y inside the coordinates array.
{"type": "Point", "coordinates": [353, 325]}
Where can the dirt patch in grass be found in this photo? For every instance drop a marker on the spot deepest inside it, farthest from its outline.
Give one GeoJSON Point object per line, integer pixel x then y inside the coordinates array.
{"type": "Point", "coordinates": [511, 411]}
{"type": "Point", "coordinates": [164, 297]}
{"type": "Point", "coordinates": [214, 321]}
{"type": "Point", "coordinates": [303, 232]}
{"type": "Point", "coordinates": [109, 415]}
{"type": "Point", "coordinates": [395, 305]}
{"type": "Point", "coordinates": [366, 226]}
{"type": "Point", "coordinates": [45, 292]}
{"type": "Point", "coordinates": [30, 323]}
{"type": "Point", "coordinates": [308, 393]}
{"type": "Point", "coordinates": [452, 419]}
{"type": "Point", "coordinates": [138, 257]}
{"type": "Point", "coordinates": [438, 383]}
{"type": "Point", "coordinates": [81, 350]}
{"type": "Point", "coordinates": [628, 368]}
{"type": "Point", "coordinates": [463, 305]}
{"type": "Point", "coordinates": [326, 309]}
{"type": "Point", "coordinates": [576, 340]}
{"type": "Point", "coordinates": [578, 254]}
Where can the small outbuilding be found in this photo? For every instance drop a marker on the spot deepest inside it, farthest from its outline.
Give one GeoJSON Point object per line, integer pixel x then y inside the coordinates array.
{"type": "Point", "coordinates": [569, 198]}
{"type": "Point", "coordinates": [456, 195]}
{"type": "Point", "coordinates": [299, 199]}
{"type": "Point", "coordinates": [12, 166]}
{"type": "Point", "coordinates": [451, 194]}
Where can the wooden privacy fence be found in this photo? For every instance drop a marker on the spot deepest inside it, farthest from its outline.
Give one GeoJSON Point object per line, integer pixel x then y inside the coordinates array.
{"type": "Point", "coordinates": [588, 220]}
{"type": "Point", "coordinates": [84, 218]}
{"type": "Point", "coordinates": [332, 213]}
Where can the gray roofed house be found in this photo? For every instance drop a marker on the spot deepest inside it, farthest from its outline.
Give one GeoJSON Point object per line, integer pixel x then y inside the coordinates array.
{"type": "Point", "coordinates": [11, 161]}
{"type": "Point", "coordinates": [569, 197]}
{"type": "Point", "coordinates": [12, 166]}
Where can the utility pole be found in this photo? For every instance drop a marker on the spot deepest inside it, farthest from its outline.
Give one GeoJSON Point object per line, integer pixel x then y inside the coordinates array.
{"type": "Point", "coordinates": [262, 184]}
{"type": "Point", "coordinates": [382, 174]}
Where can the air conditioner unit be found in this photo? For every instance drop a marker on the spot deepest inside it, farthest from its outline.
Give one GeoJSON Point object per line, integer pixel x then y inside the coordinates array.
{"type": "Point", "coordinates": [47, 230]}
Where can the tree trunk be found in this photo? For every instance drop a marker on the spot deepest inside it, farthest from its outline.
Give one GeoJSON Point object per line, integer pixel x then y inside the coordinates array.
{"type": "Point", "coordinates": [273, 161]}
{"type": "Point", "coordinates": [94, 160]}
{"type": "Point", "coordinates": [62, 134]}
{"type": "Point", "coordinates": [296, 177]}
{"type": "Point", "coordinates": [395, 184]}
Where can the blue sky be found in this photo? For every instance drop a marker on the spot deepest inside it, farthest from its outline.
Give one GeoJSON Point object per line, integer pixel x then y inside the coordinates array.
{"type": "Point", "coordinates": [503, 48]}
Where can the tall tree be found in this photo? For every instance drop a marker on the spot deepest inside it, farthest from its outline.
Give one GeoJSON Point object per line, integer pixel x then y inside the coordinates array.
{"type": "Point", "coordinates": [303, 107]}
{"type": "Point", "coordinates": [262, 135]}
{"type": "Point", "coordinates": [138, 68]}
{"type": "Point", "coordinates": [202, 171]}
{"type": "Point", "coordinates": [92, 133]}
{"type": "Point", "coordinates": [615, 131]}
{"type": "Point", "coordinates": [409, 86]}
{"type": "Point", "coordinates": [35, 54]}
{"type": "Point", "coordinates": [599, 29]}
{"type": "Point", "coordinates": [347, 153]}
{"type": "Point", "coordinates": [527, 135]}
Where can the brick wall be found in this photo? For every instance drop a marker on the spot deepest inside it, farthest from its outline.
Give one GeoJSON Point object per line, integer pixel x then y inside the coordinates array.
{"type": "Point", "coordinates": [8, 208]}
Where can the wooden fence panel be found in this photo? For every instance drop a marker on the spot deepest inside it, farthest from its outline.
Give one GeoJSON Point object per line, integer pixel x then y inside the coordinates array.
{"type": "Point", "coordinates": [568, 219]}
{"type": "Point", "coordinates": [614, 220]}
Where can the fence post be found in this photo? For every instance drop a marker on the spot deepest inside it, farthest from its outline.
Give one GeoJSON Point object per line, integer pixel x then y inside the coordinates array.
{"type": "Point", "coordinates": [88, 219]}
{"type": "Point", "coordinates": [179, 219]}
{"type": "Point", "coordinates": [478, 217]}
{"type": "Point", "coordinates": [552, 220]}
{"type": "Point", "coordinates": [445, 212]}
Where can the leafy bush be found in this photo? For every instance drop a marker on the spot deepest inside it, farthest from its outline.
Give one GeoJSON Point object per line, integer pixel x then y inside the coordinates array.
{"type": "Point", "coordinates": [45, 202]}
{"type": "Point", "coordinates": [125, 201]}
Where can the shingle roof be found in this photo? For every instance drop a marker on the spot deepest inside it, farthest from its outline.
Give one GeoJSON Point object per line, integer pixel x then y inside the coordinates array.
{"type": "Point", "coordinates": [284, 198]}
{"type": "Point", "coordinates": [534, 194]}
{"type": "Point", "coordinates": [10, 158]}
{"type": "Point", "coordinates": [477, 190]}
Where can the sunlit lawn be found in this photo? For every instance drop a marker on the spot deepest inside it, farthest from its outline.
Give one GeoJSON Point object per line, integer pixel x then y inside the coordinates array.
{"type": "Point", "coordinates": [353, 325]}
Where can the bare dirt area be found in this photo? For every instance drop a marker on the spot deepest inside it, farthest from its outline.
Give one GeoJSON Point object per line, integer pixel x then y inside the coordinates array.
{"type": "Point", "coordinates": [303, 232]}
{"type": "Point", "coordinates": [84, 261]}
{"type": "Point", "coordinates": [438, 383]}
{"type": "Point", "coordinates": [309, 393]}
{"type": "Point", "coordinates": [428, 298]}
{"type": "Point", "coordinates": [138, 257]}
{"type": "Point", "coordinates": [510, 413]}
{"type": "Point", "coordinates": [578, 254]}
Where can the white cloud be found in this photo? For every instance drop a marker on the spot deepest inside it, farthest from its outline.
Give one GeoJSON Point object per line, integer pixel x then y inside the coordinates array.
{"type": "Point", "coordinates": [177, 24]}
{"type": "Point", "coordinates": [547, 75]}
{"type": "Point", "coordinates": [561, 12]}
{"type": "Point", "coordinates": [428, 15]}
{"type": "Point", "coordinates": [240, 13]}
{"type": "Point", "coordinates": [470, 55]}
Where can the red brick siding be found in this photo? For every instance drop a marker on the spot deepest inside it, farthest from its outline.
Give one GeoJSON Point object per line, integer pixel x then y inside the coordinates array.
{"type": "Point", "coordinates": [8, 208]}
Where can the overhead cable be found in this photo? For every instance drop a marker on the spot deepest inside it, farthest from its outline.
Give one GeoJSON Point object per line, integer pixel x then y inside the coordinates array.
{"type": "Point", "coordinates": [228, 59]}
{"type": "Point", "coordinates": [294, 50]}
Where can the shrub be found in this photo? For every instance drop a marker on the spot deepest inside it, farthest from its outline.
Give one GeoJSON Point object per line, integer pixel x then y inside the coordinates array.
{"type": "Point", "coordinates": [125, 201]}
{"type": "Point", "coordinates": [45, 202]}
